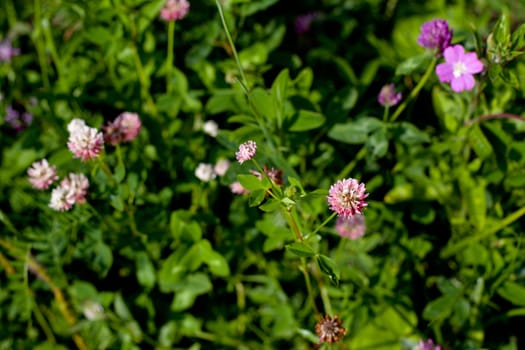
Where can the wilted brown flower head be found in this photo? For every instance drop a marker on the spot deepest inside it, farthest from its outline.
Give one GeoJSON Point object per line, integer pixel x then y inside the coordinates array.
{"type": "Point", "coordinates": [329, 329]}
{"type": "Point", "coordinates": [275, 175]}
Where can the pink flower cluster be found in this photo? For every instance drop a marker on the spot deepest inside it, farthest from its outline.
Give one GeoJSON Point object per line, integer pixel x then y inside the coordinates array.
{"type": "Point", "coordinates": [125, 127]}
{"type": "Point", "coordinates": [388, 96]}
{"type": "Point", "coordinates": [352, 227]}
{"type": "Point", "coordinates": [428, 345]}
{"type": "Point", "coordinates": [72, 189]}
{"type": "Point", "coordinates": [42, 175]}
{"type": "Point", "coordinates": [85, 142]}
{"type": "Point", "coordinates": [347, 197]}
{"type": "Point", "coordinates": [435, 35]}
{"type": "Point", "coordinates": [246, 151]}
{"type": "Point", "coordinates": [174, 10]}
{"type": "Point", "coordinates": [7, 51]}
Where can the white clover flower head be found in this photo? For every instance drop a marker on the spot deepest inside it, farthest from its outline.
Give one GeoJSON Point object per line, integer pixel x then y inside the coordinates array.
{"type": "Point", "coordinates": [204, 172]}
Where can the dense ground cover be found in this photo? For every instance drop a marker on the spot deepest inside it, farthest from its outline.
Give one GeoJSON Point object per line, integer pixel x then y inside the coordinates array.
{"type": "Point", "coordinates": [253, 175]}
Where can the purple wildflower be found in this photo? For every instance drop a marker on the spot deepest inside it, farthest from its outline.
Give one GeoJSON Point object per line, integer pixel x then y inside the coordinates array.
{"type": "Point", "coordinates": [303, 22]}
{"type": "Point", "coordinates": [388, 96]}
{"type": "Point", "coordinates": [7, 51]}
{"type": "Point", "coordinates": [16, 120]}
{"type": "Point", "coordinates": [435, 35]}
{"type": "Point", "coordinates": [428, 345]}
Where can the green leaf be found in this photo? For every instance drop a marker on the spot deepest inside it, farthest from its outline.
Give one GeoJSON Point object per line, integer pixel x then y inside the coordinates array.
{"type": "Point", "coordinates": [518, 38]}
{"type": "Point", "coordinates": [501, 30]}
{"type": "Point", "coordinates": [329, 268]}
{"type": "Point", "coordinates": [296, 183]}
{"type": "Point", "coordinates": [477, 204]}
{"type": "Point", "coordinates": [253, 7]}
{"type": "Point", "coordinates": [217, 264]}
{"type": "Point", "coordinates": [356, 132]}
{"type": "Point", "coordinates": [300, 249]}
{"type": "Point", "coordinates": [279, 89]}
{"type": "Point", "coordinates": [263, 103]}
{"type": "Point", "coordinates": [120, 172]}
{"type": "Point", "coordinates": [121, 309]}
{"type": "Point", "coordinates": [513, 292]}
{"type": "Point", "coordinates": [307, 120]}
{"type": "Point", "coordinates": [377, 143]}
{"type": "Point", "coordinates": [479, 142]}
{"type": "Point", "coordinates": [189, 289]}
{"type": "Point", "coordinates": [304, 79]}
{"type": "Point", "coordinates": [413, 64]}
{"type": "Point", "coordinates": [440, 308]}
{"type": "Point", "coordinates": [409, 134]}
{"type": "Point", "coordinates": [270, 205]}
{"type": "Point", "coordinates": [145, 270]}
{"type": "Point", "coordinates": [103, 258]}
{"type": "Point", "coordinates": [256, 197]}
{"type": "Point", "coordinates": [250, 182]}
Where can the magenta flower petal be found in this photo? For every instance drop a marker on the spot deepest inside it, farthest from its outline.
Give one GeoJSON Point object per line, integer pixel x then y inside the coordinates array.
{"type": "Point", "coordinates": [445, 72]}
{"type": "Point", "coordinates": [459, 68]}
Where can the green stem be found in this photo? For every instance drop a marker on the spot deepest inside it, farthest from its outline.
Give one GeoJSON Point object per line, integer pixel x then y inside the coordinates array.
{"type": "Point", "coordinates": [43, 324]}
{"type": "Point", "coordinates": [324, 223]}
{"type": "Point", "coordinates": [304, 270]}
{"type": "Point", "coordinates": [230, 41]}
{"type": "Point", "coordinates": [495, 116]}
{"type": "Point", "coordinates": [293, 225]}
{"type": "Point", "coordinates": [11, 13]}
{"type": "Point", "coordinates": [415, 91]}
{"type": "Point", "coordinates": [106, 170]}
{"type": "Point", "coordinates": [169, 56]}
{"type": "Point", "coordinates": [8, 224]}
{"type": "Point", "coordinates": [447, 252]}
{"type": "Point", "coordinates": [53, 52]}
{"type": "Point", "coordinates": [39, 44]}
{"type": "Point", "coordinates": [350, 166]}
{"type": "Point", "coordinates": [324, 297]}
{"type": "Point", "coordinates": [385, 113]}
{"type": "Point", "coordinates": [219, 339]}
{"type": "Point", "coordinates": [143, 78]}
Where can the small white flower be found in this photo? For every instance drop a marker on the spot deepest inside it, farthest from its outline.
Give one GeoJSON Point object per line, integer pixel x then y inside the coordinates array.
{"type": "Point", "coordinates": [211, 128]}
{"type": "Point", "coordinates": [61, 199]}
{"type": "Point", "coordinates": [92, 310]}
{"type": "Point", "coordinates": [75, 125]}
{"type": "Point", "coordinates": [204, 172]}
